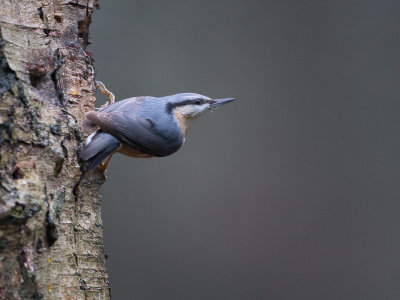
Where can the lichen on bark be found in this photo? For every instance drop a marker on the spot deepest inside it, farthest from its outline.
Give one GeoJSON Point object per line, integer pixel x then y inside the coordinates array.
{"type": "Point", "coordinates": [51, 242]}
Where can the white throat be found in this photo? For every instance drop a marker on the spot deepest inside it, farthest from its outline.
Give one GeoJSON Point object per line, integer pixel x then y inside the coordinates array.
{"type": "Point", "coordinates": [183, 119]}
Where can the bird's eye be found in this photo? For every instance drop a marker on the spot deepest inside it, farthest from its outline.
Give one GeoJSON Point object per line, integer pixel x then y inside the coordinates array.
{"type": "Point", "coordinates": [198, 102]}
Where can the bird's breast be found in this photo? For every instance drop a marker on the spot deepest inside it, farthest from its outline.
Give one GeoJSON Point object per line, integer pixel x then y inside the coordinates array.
{"type": "Point", "coordinates": [132, 152]}
{"type": "Point", "coordinates": [182, 122]}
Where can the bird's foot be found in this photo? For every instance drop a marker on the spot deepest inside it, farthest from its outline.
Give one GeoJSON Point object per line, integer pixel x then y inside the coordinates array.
{"type": "Point", "coordinates": [110, 96]}
{"type": "Point", "coordinates": [103, 167]}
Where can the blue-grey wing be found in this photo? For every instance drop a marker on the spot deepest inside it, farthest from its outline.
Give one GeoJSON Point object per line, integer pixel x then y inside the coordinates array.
{"type": "Point", "coordinates": [124, 121]}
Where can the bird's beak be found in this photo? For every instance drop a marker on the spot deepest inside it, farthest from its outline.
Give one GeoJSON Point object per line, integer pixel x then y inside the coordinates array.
{"type": "Point", "coordinates": [219, 102]}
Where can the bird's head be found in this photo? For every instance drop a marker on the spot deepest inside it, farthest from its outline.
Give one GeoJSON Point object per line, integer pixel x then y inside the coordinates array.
{"type": "Point", "coordinates": [187, 107]}
{"type": "Point", "coordinates": [192, 106]}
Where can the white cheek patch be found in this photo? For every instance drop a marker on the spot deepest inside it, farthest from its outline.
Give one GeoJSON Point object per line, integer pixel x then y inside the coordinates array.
{"type": "Point", "coordinates": [192, 111]}
{"type": "Point", "coordinates": [187, 110]}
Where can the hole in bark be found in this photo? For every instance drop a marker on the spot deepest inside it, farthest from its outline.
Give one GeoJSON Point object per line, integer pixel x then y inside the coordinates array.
{"type": "Point", "coordinates": [51, 230]}
{"type": "Point", "coordinates": [17, 174]}
{"type": "Point", "coordinates": [36, 77]}
{"type": "Point", "coordinates": [58, 18]}
{"type": "Point", "coordinates": [40, 9]}
{"type": "Point", "coordinates": [83, 31]}
{"type": "Point", "coordinates": [46, 31]}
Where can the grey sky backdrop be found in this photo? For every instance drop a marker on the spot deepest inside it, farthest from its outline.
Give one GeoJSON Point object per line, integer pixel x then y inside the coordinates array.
{"type": "Point", "coordinates": [292, 192]}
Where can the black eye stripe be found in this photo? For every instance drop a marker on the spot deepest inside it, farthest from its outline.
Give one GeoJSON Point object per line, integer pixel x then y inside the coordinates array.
{"type": "Point", "coordinates": [199, 101]}
{"type": "Point", "coordinates": [202, 101]}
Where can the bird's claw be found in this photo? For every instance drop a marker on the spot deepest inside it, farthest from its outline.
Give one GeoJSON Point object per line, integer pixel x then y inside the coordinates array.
{"type": "Point", "coordinates": [110, 96]}
{"type": "Point", "coordinates": [103, 167]}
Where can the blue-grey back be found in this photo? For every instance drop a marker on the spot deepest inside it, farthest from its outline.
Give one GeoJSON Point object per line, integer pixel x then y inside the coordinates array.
{"type": "Point", "coordinates": [142, 122]}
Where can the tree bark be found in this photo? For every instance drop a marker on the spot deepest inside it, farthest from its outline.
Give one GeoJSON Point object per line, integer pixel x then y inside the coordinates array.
{"type": "Point", "coordinates": [51, 240]}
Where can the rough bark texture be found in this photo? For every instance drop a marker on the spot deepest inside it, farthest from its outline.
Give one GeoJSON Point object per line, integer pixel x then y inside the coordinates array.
{"type": "Point", "coordinates": [51, 243]}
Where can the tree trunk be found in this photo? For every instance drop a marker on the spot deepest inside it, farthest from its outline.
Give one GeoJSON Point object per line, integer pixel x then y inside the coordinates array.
{"type": "Point", "coordinates": [51, 240]}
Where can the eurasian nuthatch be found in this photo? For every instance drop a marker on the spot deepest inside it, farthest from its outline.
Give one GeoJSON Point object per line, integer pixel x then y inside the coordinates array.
{"type": "Point", "coordinates": [142, 126]}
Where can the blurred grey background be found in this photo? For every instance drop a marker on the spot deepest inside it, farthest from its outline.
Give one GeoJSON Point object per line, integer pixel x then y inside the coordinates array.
{"type": "Point", "coordinates": [291, 192]}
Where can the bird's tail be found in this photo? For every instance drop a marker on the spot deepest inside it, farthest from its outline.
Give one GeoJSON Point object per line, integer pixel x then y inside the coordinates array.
{"type": "Point", "coordinates": [98, 146]}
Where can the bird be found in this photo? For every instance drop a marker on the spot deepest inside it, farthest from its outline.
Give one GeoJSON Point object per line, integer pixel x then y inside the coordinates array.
{"type": "Point", "coordinates": [141, 127]}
